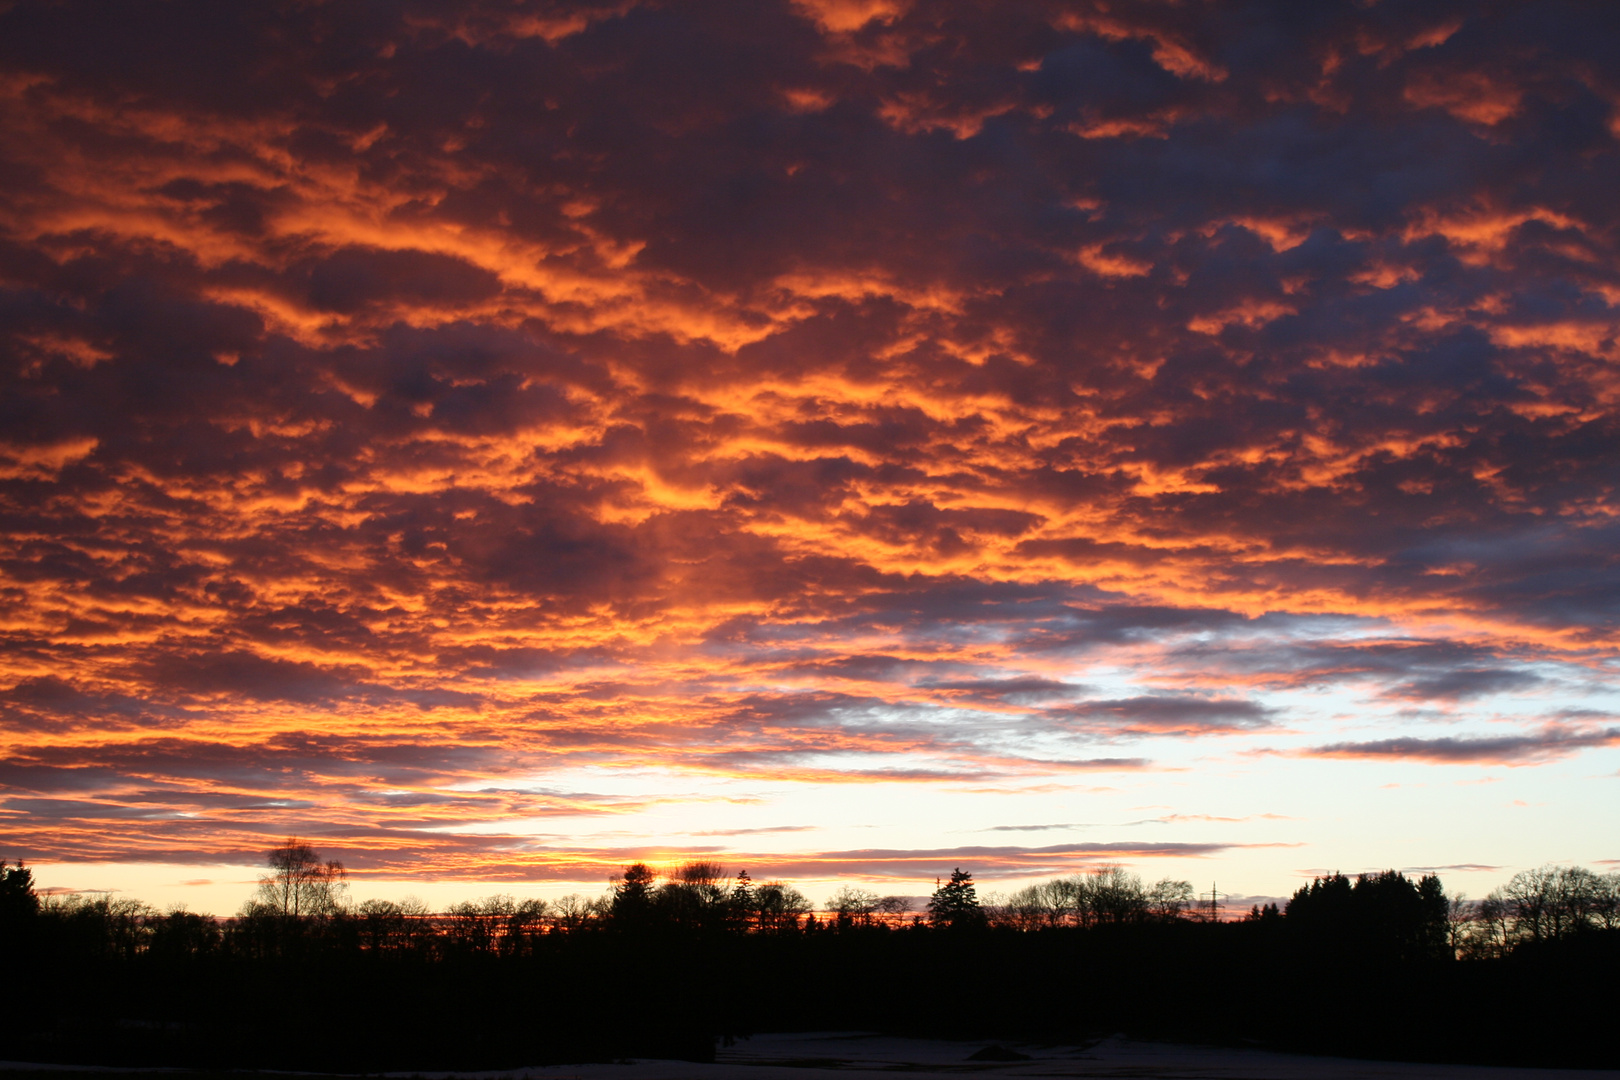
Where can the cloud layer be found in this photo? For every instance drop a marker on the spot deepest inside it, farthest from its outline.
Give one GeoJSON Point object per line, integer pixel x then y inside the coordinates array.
{"type": "Point", "coordinates": [405, 404]}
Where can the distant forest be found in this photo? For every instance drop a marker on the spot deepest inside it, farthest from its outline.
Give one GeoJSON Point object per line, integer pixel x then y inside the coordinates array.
{"type": "Point", "coordinates": [1381, 965]}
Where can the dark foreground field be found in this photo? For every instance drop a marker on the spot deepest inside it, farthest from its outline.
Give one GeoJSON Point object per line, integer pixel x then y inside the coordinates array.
{"type": "Point", "coordinates": [594, 997]}
{"type": "Point", "coordinates": [831, 1055]}
{"type": "Point", "coordinates": [1370, 969]}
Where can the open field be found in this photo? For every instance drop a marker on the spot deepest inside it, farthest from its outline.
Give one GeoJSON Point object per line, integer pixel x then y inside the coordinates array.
{"type": "Point", "coordinates": [809, 1056]}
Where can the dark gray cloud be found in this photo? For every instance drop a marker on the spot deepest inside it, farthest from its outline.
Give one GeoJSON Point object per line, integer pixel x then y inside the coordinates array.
{"type": "Point", "coordinates": [1454, 749]}
{"type": "Point", "coordinates": [1164, 714]}
{"type": "Point", "coordinates": [1465, 683]}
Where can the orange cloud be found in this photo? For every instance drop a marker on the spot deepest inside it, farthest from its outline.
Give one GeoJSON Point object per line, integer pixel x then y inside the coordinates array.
{"type": "Point", "coordinates": [780, 396]}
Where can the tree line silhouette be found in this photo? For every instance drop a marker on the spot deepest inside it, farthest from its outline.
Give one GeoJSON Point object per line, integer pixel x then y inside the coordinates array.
{"type": "Point", "coordinates": [663, 965]}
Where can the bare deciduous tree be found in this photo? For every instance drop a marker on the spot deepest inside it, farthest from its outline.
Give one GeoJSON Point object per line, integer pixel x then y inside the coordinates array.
{"type": "Point", "coordinates": [696, 894]}
{"type": "Point", "coordinates": [1115, 895]}
{"type": "Point", "coordinates": [892, 906]}
{"type": "Point", "coordinates": [299, 884]}
{"type": "Point", "coordinates": [853, 906]}
{"type": "Point", "coordinates": [574, 911]}
{"type": "Point", "coordinates": [113, 926]}
{"type": "Point", "coordinates": [779, 906]}
{"type": "Point", "coordinates": [1108, 894]}
{"type": "Point", "coordinates": [1460, 917]}
{"type": "Point", "coordinates": [1605, 907]}
{"type": "Point", "coordinates": [1168, 899]}
{"type": "Point", "coordinates": [1552, 902]}
{"type": "Point", "coordinates": [495, 925]}
{"type": "Point", "coordinates": [389, 926]}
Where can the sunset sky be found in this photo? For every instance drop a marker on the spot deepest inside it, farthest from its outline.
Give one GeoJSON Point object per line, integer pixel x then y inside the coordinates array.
{"type": "Point", "coordinates": [844, 439]}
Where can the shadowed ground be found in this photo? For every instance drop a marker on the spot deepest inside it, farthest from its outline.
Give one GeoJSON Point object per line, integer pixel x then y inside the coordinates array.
{"type": "Point", "coordinates": [806, 1056]}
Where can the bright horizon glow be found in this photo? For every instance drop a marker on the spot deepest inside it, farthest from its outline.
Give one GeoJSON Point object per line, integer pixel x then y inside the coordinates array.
{"type": "Point", "coordinates": [498, 443]}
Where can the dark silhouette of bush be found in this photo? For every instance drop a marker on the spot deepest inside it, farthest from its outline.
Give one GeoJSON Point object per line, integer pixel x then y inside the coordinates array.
{"type": "Point", "coordinates": [183, 935]}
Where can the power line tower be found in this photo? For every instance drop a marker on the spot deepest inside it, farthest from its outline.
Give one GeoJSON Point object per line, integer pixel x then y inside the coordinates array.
{"type": "Point", "coordinates": [1212, 909]}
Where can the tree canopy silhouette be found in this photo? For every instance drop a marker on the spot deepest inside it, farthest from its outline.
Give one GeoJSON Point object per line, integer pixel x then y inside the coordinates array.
{"type": "Point", "coordinates": [956, 903]}
{"type": "Point", "coordinates": [659, 964]}
{"type": "Point", "coordinates": [1385, 917]}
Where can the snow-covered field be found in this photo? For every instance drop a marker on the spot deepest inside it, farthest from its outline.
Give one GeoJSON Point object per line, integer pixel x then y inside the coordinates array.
{"type": "Point", "coordinates": [830, 1055]}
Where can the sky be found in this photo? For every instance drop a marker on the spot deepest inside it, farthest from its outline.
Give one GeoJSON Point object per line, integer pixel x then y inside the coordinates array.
{"type": "Point", "coordinates": [502, 440]}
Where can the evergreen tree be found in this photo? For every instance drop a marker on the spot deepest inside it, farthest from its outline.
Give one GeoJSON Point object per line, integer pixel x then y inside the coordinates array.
{"type": "Point", "coordinates": [1385, 917]}
{"type": "Point", "coordinates": [744, 904]}
{"type": "Point", "coordinates": [17, 897]}
{"type": "Point", "coordinates": [956, 903]}
{"type": "Point", "coordinates": [633, 894]}
{"type": "Point", "coordinates": [18, 902]}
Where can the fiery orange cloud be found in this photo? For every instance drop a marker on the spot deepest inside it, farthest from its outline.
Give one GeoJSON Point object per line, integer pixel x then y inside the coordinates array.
{"type": "Point", "coordinates": [406, 430]}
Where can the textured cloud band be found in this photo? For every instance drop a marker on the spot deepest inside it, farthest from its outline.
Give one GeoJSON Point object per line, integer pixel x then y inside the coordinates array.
{"type": "Point", "coordinates": [403, 403]}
